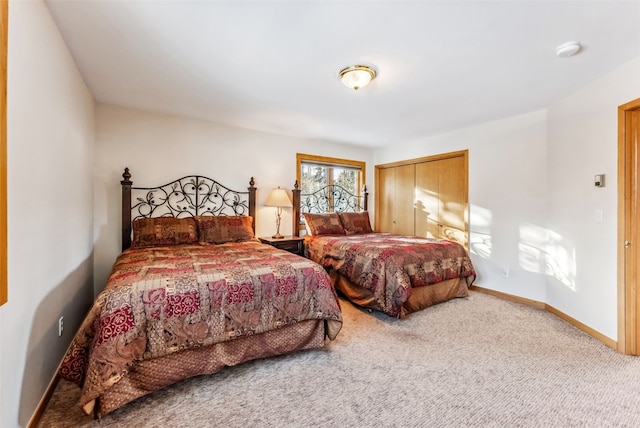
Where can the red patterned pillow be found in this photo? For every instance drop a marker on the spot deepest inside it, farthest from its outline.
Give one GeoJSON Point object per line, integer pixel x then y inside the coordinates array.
{"type": "Point", "coordinates": [158, 231]}
{"type": "Point", "coordinates": [221, 229]}
{"type": "Point", "coordinates": [323, 224]}
{"type": "Point", "coordinates": [355, 223]}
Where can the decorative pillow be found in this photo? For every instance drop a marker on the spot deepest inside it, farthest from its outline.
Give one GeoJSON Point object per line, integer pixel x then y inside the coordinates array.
{"type": "Point", "coordinates": [355, 223]}
{"type": "Point", "coordinates": [221, 229]}
{"type": "Point", "coordinates": [323, 224]}
{"type": "Point", "coordinates": [158, 231]}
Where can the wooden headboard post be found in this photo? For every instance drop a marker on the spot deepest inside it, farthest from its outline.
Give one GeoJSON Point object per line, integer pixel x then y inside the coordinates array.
{"type": "Point", "coordinates": [365, 204]}
{"type": "Point", "coordinates": [252, 202]}
{"type": "Point", "coordinates": [126, 209]}
{"type": "Point", "coordinates": [296, 209]}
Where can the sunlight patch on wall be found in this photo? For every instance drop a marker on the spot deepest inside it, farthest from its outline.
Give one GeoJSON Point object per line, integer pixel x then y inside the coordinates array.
{"type": "Point", "coordinates": [544, 251]}
{"type": "Point", "coordinates": [480, 236]}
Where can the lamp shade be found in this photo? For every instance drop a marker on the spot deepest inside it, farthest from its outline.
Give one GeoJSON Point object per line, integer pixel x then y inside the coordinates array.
{"type": "Point", "coordinates": [278, 198]}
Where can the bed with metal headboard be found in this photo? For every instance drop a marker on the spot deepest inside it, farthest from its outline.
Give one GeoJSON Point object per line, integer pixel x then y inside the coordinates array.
{"type": "Point", "coordinates": [330, 198]}
{"type": "Point", "coordinates": [189, 196]}
{"type": "Point", "coordinates": [192, 292]}
{"type": "Point", "coordinates": [381, 271]}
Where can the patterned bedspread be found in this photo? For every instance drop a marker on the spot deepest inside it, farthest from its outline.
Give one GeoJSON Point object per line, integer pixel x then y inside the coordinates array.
{"type": "Point", "coordinates": [390, 265]}
{"type": "Point", "coordinates": [164, 299]}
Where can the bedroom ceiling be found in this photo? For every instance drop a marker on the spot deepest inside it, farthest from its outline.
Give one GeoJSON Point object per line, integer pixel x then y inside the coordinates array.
{"type": "Point", "coordinates": [273, 65]}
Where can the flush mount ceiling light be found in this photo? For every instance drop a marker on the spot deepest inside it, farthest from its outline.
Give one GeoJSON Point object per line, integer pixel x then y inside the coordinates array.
{"type": "Point", "coordinates": [568, 49]}
{"type": "Point", "coordinates": [357, 76]}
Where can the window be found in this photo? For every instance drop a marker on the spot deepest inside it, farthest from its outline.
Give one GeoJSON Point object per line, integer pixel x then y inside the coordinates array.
{"type": "Point", "coordinates": [316, 172]}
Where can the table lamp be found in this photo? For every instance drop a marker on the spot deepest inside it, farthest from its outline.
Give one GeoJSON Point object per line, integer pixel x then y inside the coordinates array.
{"type": "Point", "coordinates": [278, 198]}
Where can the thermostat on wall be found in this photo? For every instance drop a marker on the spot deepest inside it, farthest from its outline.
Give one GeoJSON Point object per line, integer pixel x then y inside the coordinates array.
{"type": "Point", "coordinates": [599, 180]}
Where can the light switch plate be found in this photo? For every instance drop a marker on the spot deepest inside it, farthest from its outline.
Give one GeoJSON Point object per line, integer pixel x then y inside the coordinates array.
{"type": "Point", "coordinates": [599, 216]}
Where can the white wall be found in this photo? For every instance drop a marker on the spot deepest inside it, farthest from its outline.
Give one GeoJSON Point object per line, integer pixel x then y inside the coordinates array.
{"type": "Point", "coordinates": [583, 142]}
{"type": "Point", "coordinates": [506, 196]}
{"type": "Point", "coordinates": [159, 148]}
{"type": "Point", "coordinates": [50, 157]}
{"type": "Point", "coordinates": [533, 201]}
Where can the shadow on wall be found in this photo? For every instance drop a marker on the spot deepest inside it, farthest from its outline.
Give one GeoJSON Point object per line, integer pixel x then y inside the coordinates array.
{"type": "Point", "coordinates": [70, 299]}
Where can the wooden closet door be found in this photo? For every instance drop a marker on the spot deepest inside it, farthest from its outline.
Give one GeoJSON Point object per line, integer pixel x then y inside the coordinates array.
{"type": "Point", "coordinates": [442, 199]}
{"type": "Point", "coordinates": [385, 195]}
{"type": "Point", "coordinates": [428, 199]}
{"type": "Point", "coordinates": [395, 199]}
{"type": "Point", "coordinates": [404, 221]}
{"type": "Point", "coordinates": [453, 199]}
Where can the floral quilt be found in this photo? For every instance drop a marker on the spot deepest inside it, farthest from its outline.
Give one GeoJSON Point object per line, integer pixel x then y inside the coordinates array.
{"type": "Point", "coordinates": [161, 300]}
{"type": "Point", "coordinates": [390, 265]}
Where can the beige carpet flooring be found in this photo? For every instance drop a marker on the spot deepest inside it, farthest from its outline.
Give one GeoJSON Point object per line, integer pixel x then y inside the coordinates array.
{"type": "Point", "coordinates": [473, 362]}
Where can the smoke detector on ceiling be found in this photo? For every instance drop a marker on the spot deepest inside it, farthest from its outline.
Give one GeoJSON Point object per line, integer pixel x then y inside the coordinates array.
{"type": "Point", "coordinates": [568, 49]}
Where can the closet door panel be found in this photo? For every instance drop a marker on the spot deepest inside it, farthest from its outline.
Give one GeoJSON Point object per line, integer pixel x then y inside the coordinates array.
{"type": "Point", "coordinates": [386, 196]}
{"type": "Point", "coordinates": [427, 199]}
{"type": "Point", "coordinates": [453, 199]}
{"type": "Point", "coordinates": [404, 203]}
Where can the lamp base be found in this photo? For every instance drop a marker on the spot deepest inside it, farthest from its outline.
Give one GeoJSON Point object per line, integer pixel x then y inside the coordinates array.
{"type": "Point", "coordinates": [278, 236]}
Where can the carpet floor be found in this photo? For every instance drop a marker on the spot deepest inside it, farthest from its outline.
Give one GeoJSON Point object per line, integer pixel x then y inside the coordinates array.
{"type": "Point", "coordinates": [473, 362]}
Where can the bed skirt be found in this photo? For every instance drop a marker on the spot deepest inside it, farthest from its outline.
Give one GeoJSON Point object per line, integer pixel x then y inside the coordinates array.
{"type": "Point", "coordinates": [151, 375]}
{"type": "Point", "coordinates": [421, 297]}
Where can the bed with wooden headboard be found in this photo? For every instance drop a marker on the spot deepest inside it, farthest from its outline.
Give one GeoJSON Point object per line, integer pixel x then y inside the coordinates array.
{"type": "Point", "coordinates": [381, 271]}
{"type": "Point", "coordinates": [193, 291]}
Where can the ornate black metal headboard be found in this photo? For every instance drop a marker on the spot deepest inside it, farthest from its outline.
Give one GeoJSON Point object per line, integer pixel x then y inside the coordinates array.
{"type": "Point", "coordinates": [331, 198]}
{"type": "Point", "coordinates": [186, 197]}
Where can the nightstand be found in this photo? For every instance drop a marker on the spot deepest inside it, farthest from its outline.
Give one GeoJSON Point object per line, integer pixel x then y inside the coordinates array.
{"type": "Point", "coordinates": [293, 244]}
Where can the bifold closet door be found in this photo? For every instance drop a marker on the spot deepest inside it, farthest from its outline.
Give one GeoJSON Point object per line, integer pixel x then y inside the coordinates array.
{"type": "Point", "coordinates": [396, 212]}
{"type": "Point", "coordinates": [441, 199]}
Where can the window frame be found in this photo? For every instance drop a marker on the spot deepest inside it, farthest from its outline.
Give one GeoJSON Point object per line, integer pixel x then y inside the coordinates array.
{"type": "Point", "coordinates": [335, 162]}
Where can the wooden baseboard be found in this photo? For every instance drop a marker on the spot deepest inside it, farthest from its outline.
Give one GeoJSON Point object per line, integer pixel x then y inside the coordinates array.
{"type": "Point", "coordinates": [539, 305]}
{"type": "Point", "coordinates": [591, 332]}
{"type": "Point", "coordinates": [48, 393]}
{"type": "Point", "coordinates": [42, 405]}
{"type": "Point", "coordinates": [509, 297]}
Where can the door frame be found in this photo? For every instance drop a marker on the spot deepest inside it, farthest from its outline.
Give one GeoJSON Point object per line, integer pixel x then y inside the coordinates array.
{"type": "Point", "coordinates": [628, 311]}
{"type": "Point", "coordinates": [4, 33]}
